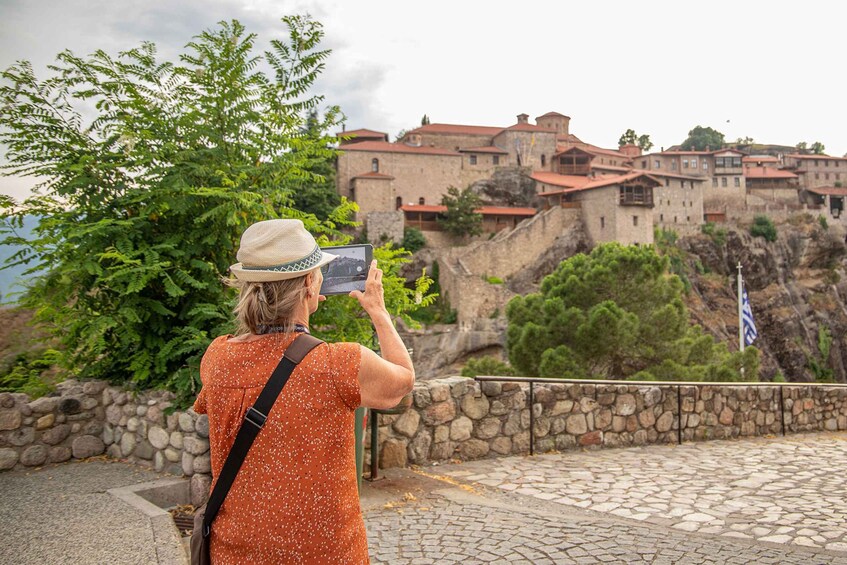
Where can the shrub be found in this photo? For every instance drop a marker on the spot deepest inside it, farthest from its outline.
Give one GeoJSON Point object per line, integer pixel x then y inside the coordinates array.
{"type": "Point", "coordinates": [487, 366]}
{"type": "Point", "coordinates": [822, 221]}
{"type": "Point", "coordinates": [413, 240]}
{"type": "Point", "coordinates": [763, 227]}
{"type": "Point", "coordinates": [493, 280]}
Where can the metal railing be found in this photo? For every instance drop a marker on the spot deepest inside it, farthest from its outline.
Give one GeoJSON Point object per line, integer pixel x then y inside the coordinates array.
{"type": "Point", "coordinates": [678, 384]}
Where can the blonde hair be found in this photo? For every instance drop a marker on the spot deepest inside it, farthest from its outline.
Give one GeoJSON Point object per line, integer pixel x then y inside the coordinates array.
{"type": "Point", "coordinates": [263, 304]}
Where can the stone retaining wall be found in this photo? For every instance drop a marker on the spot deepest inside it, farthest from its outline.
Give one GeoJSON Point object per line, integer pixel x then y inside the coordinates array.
{"type": "Point", "coordinates": [92, 418]}
{"type": "Point", "coordinates": [452, 418]}
{"type": "Point", "coordinates": [457, 418]}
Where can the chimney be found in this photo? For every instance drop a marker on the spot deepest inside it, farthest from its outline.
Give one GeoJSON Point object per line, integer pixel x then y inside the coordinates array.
{"type": "Point", "coordinates": [630, 150]}
{"type": "Point", "coordinates": [523, 118]}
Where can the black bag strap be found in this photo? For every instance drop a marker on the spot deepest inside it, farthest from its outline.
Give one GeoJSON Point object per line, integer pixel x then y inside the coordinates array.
{"type": "Point", "coordinates": [254, 419]}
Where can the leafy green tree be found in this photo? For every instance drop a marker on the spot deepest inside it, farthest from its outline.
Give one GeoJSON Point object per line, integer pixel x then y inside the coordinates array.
{"type": "Point", "coordinates": [818, 148]}
{"type": "Point", "coordinates": [461, 219]}
{"type": "Point", "coordinates": [701, 137]}
{"type": "Point", "coordinates": [615, 313]}
{"type": "Point", "coordinates": [141, 208]}
{"type": "Point", "coordinates": [802, 147]}
{"type": "Point", "coordinates": [629, 137]}
{"type": "Point", "coordinates": [425, 120]}
{"type": "Point", "coordinates": [413, 240]}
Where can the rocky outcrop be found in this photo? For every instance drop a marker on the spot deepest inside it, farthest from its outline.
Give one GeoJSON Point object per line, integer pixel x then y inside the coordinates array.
{"type": "Point", "coordinates": [796, 285]}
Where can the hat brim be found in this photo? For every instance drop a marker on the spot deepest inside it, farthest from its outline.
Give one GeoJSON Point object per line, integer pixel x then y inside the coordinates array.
{"type": "Point", "coordinates": [258, 275]}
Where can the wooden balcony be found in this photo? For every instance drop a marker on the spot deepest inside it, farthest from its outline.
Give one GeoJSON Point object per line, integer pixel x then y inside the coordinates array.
{"type": "Point", "coordinates": [580, 169]}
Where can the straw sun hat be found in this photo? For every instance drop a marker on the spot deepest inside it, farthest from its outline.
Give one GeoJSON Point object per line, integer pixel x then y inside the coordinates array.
{"type": "Point", "coordinates": [276, 250]}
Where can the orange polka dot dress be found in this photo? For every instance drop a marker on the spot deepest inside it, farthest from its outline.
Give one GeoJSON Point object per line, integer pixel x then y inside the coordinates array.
{"type": "Point", "coordinates": [295, 498]}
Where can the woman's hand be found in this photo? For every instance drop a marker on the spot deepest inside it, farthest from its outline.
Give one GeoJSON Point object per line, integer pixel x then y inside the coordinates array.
{"type": "Point", "coordinates": [372, 300]}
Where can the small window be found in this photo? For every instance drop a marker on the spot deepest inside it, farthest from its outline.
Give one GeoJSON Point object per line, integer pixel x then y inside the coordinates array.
{"type": "Point", "coordinates": [723, 181]}
{"type": "Point", "coordinates": [495, 160]}
{"type": "Point", "coordinates": [375, 165]}
{"type": "Point", "coordinates": [673, 165]}
{"type": "Point", "coordinates": [705, 165]}
{"type": "Point", "coordinates": [472, 159]}
{"type": "Point", "coordinates": [817, 175]}
{"type": "Point", "coordinates": [602, 222]}
{"type": "Point", "coordinates": [421, 200]}
{"type": "Point", "coordinates": [644, 164]}
{"type": "Point", "coordinates": [826, 176]}
{"type": "Point", "coordinates": [736, 181]}
{"type": "Point", "coordinates": [693, 163]}
{"type": "Point", "coordinates": [658, 164]}
{"type": "Point", "coordinates": [837, 176]}
{"type": "Point", "coordinates": [683, 203]}
{"type": "Point", "coordinates": [635, 220]}
{"type": "Point", "coordinates": [714, 181]}
{"type": "Point", "coordinates": [685, 163]}
{"type": "Point", "coordinates": [398, 202]}
{"type": "Point", "coordinates": [661, 217]}
{"type": "Point", "coordinates": [674, 219]}
{"type": "Point", "coordinates": [688, 219]}
{"type": "Point", "coordinates": [667, 182]}
{"type": "Point", "coordinates": [690, 204]}
{"type": "Point", "coordinates": [543, 160]}
{"type": "Point", "coordinates": [682, 184]}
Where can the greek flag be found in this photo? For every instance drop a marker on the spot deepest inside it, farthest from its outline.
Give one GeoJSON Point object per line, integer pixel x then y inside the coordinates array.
{"type": "Point", "coordinates": [750, 333]}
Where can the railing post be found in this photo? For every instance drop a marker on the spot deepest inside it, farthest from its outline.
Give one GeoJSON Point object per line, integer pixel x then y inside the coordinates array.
{"type": "Point", "coordinates": [782, 408]}
{"type": "Point", "coordinates": [531, 419]}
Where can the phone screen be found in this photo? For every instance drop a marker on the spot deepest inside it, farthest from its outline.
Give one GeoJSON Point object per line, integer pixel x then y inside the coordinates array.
{"type": "Point", "coordinates": [349, 271]}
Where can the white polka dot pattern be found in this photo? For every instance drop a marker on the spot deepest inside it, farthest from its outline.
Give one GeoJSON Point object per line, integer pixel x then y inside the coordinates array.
{"type": "Point", "coordinates": [295, 498]}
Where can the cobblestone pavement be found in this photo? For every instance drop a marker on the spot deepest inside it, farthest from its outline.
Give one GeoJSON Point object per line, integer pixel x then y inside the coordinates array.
{"type": "Point", "coordinates": [782, 499]}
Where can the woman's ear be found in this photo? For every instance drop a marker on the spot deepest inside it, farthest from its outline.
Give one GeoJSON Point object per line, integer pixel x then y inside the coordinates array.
{"type": "Point", "coordinates": [309, 279]}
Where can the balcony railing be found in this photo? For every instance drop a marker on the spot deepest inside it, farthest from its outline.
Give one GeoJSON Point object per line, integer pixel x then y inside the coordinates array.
{"type": "Point", "coordinates": [578, 169]}
{"type": "Point", "coordinates": [637, 199]}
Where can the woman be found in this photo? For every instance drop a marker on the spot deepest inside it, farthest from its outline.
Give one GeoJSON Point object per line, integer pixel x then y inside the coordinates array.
{"type": "Point", "coordinates": [295, 498]}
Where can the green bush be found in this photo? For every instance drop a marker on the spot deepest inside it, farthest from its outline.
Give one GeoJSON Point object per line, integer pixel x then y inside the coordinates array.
{"type": "Point", "coordinates": [763, 227]}
{"type": "Point", "coordinates": [822, 221]}
{"type": "Point", "coordinates": [493, 280]}
{"type": "Point", "coordinates": [487, 366]}
{"type": "Point", "coordinates": [413, 240]}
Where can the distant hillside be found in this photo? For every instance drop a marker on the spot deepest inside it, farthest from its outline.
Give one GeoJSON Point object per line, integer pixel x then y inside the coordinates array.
{"type": "Point", "coordinates": [9, 277]}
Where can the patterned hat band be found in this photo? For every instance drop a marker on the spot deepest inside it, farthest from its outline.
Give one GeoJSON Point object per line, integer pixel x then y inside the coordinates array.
{"type": "Point", "coordinates": [300, 265]}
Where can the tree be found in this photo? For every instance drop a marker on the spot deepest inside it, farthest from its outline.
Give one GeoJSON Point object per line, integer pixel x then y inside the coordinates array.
{"type": "Point", "coordinates": [615, 313]}
{"type": "Point", "coordinates": [141, 209]}
{"type": "Point", "coordinates": [701, 137]}
{"type": "Point", "coordinates": [802, 147]}
{"type": "Point", "coordinates": [425, 120]}
{"type": "Point", "coordinates": [629, 137]}
{"type": "Point", "coordinates": [818, 148]}
{"type": "Point", "coordinates": [461, 219]}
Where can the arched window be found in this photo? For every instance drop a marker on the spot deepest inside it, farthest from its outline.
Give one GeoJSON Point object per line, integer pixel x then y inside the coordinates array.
{"type": "Point", "coordinates": [421, 201]}
{"type": "Point", "coordinates": [398, 201]}
{"type": "Point", "coordinates": [543, 160]}
{"type": "Point", "coordinates": [375, 165]}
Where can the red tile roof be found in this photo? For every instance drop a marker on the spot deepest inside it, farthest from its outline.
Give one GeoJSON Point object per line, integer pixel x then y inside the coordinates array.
{"type": "Point", "coordinates": [385, 147]}
{"type": "Point", "coordinates": [829, 190]}
{"type": "Point", "coordinates": [529, 127]}
{"type": "Point", "coordinates": [484, 210]}
{"type": "Point", "coordinates": [373, 175]}
{"type": "Point", "coordinates": [767, 173]}
{"type": "Point", "coordinates": [760, 159]}
{"type": "Point", "coordinates": [569, 138]}
{"type": "Point", "coordinates": [602, 151]}
{"type": "Point", "coordinates": [655, 173]}
{"type": "Point", "coordinates": [368, 133]}
{"type": "Point", "coordinates": [553, 115]}
{"type": "Point", "coordinates": [588, 183]}
{"type": "Point", "coordinates": [798, 156]}
{"type": "Point", "coordinates": [457, 129]}
{"type": "Point", "coordinates": [560, 150]}
{"type": "Point", "coordinates": [484, 149]}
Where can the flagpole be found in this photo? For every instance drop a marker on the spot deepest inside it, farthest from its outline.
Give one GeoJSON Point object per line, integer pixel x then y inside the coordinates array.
{"type": "Point", "coordinates": [740, 321]}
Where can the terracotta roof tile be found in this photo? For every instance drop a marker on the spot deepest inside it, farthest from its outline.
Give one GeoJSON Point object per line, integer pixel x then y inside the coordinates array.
{"type": "Point", "coordinates": [385, 147]}
{"type": "Point", "coordinates": [767, 173]}
{"type": "Point", "coordinates": [555, 179]}
{"type": "Point", "coordinates": [590, 183]}
{"type": "Point", "coordinates": [829, 190]}
{"type": "Point", "coordinates": [553, 115]}
{"type": "Point", "coordinates": [484, 210]}
{"type": "Point", "coordinates": [798, 156]}
{"type": "Point", "coordinates": [569, 138]}
{"type": "Point", "coordinates": [457, 129]}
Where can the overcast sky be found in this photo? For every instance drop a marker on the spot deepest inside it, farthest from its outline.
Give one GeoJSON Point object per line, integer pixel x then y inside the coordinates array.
{"type": "Point", "coordinates": [773, 71]}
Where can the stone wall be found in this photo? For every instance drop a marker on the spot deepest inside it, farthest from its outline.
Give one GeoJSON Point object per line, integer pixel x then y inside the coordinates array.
{"type": "Point", "coordinates": [92, 418]}
{"type": "Point", "coordinates": [458, 418]}
{"type": "Point", "coordinates": [451, 418]}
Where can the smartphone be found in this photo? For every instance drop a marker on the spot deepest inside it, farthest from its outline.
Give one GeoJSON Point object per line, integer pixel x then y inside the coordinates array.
{"type": "Point", "coordinates": [349, 271]}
